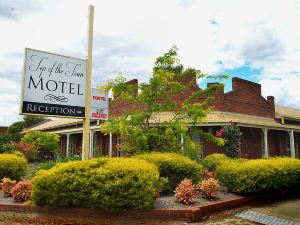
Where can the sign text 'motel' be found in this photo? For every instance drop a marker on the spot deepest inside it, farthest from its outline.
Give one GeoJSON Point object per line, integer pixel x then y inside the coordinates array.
{"type": "Point", "coordinates": [53, 85]}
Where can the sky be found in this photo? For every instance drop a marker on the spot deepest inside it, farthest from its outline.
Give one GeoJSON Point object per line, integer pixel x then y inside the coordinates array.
{"type": "Point", "coordinates": [254, 40]}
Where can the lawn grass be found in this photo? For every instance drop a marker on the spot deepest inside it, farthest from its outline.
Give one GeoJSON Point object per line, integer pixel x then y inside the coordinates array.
{"type": "Point", "coordinates": [31, 169]}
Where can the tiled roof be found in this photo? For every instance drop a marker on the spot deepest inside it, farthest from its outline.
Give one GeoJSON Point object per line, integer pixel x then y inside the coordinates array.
{"type": "Point", "coordinates": [60, 122]}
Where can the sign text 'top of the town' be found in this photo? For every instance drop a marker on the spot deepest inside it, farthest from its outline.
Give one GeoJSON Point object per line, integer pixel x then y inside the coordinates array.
{"type": "Point", "coordinates": [53, 85]}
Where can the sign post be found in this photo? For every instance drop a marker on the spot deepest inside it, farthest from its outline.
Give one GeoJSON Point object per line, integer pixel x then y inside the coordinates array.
{"type": "Point", "coordinates": [86, 120]}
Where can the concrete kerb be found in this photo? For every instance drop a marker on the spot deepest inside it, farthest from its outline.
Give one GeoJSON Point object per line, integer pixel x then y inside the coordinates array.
{"type": "Point", "coordinates": [191, 214]}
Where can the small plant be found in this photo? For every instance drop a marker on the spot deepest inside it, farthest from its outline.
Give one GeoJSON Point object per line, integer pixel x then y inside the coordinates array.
{"type": "Point", "coordinates": [209, 188]}
{"type": "Point", "coordinates": [6, 186]}
{"type": "Point", "coordinates": [206, 174]}
{"type": "Point", "coordinates": [185, 192]}
{"type": "Point", "coordinates": [22, 191]}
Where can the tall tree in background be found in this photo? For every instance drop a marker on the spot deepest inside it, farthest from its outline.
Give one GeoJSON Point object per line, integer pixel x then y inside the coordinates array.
{"type": "Point", "coordinates": [15, 129]}
{"type": "Point", "coordinates": [156, 121]}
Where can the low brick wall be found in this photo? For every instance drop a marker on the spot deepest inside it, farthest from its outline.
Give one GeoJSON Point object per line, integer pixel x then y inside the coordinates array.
{"type": "Point", "coordinates": [192, 214]}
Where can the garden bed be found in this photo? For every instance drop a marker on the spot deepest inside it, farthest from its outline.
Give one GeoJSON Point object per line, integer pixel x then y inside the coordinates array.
{"type": "Point", "coordinates": [169, 201]}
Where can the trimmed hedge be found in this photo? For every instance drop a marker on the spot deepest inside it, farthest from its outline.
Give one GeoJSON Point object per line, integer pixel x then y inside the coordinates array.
{"type": "Point", "coordinates": [212, 161]}
{"type": "Point", "coordinates": [98, 183]}
{"type": "Point", "coordinates": [174, 167]}
{"type": "Point", "coordinates": [261, 175]}
{"type": "Point", "coordinates": [12, 166]}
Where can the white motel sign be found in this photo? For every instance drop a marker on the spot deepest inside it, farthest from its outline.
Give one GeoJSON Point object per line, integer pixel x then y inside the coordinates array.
{"type": "Point", "coordinates": [53, 85]}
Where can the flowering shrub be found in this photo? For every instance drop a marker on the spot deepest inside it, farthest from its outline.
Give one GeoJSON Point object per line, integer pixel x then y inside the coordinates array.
{"type": "Point", "coordinates": [6, 186]}
{"type": "Point", "coordinates": [209, 188]}
{"type": "Point", "coordinates": [26, 149]}
{"type": "Point", "coordinates": [206, 174]}
{"type": "Point", "coordinates": [231, 134]}
{"type": "Point", "coordinates": [22, 191]}
{"type": "Point", "coordinates": [219, 133]}
{"type": "Point", "coordinates": [185, 192]}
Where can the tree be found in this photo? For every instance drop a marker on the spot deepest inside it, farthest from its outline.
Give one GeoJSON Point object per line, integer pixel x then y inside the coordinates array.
{"type": "Point", "coordinates": [143, 127]}
{"type": "Point", "coordinates": [32, 120]}
{"type": "Point", "coordinates": [46, 145]}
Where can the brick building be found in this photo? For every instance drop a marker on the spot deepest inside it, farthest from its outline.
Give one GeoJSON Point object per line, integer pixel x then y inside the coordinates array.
{"type": "Point", "coordinates": [3, 129]}
{"type": "Point", "coordinates": [267, 129]}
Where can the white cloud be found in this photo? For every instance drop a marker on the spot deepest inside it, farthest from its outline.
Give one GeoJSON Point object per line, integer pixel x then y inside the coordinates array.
{"type": "Point", "coordinates": [128, 35]}
{"type": "Point", "coordinates": [286, 90]}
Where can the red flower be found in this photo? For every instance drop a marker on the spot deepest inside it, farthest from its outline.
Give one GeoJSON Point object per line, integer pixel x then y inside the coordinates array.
{"type": "Point", "coordinates": [220, 132]}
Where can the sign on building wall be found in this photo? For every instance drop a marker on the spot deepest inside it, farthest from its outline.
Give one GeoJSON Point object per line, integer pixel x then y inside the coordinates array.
{"type": "Point", "coordinates": [99, 105]}
{"type": "Point", "coordinates": [53, 85]}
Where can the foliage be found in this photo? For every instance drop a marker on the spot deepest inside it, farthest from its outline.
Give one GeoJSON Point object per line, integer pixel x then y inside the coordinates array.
{"type": "Point", "coordinates": [18, 153]}
{"type": "Point", "coordinates": [175, 167]}
{"type": "Point", "coordinates": [12, 166]}
{"type": "Point", "coordinates": [5, 143]}
{"type": "Point", "coordinates": [29, 120]}
{"type": "Point", "coordinates": [16, 128]}
{"type": "Point", "coordinates": [260, 175]}
{"type": "Point", "coordinates": [98, 183]}
{"type": "Point", "coordinates": [231, 134]}
{"type": "Point", "coordinates": [48, 165]}
{"type": "Point", "coordinates": [209, 188]}
{"type": "Point", "coordinates": [143, 127]}
{"type": "Point", "coordinates": [26, 149]}
{"type": "Point", "coordinates": [206, 174]}
{"type": "Point", "coordinates": [6, 148]}
{"type": "Point", "coordinates": [185, 192]}
{"type": "Point", "coordinates": [46, 145]}
{"type": "Point", "coordinates": [7, 185]}
{"type": "Point", "coordinates": [22, 191]}
{"type": "Point", "coordinates": [213, 160]}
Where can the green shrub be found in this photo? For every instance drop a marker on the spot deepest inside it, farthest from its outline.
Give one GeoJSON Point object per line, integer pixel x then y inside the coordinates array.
{"type": "Point", "coordinates": [12, 166]}
{"type": "Point", "coordinates": [48, 165]}
{"type": "Point", "coordinates": [261, 175]}
{"type": "Point", "coordinates": [98, 183]}
{"type": "Point", "coordinates": [174, 167]}
{"type": "Point", "coordinates": [19, 154]}
{"type": "Point", "coordinates": [212, 161]}
{"type": "Point", "coordinates": [46, 145]}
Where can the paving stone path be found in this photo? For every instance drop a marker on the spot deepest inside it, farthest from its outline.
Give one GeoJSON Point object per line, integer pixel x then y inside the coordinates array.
{"type": "Point", "coordinates": [265, 219]}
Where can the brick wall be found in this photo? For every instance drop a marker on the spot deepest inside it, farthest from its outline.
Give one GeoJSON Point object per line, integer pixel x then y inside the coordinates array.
{"type": "Point", "coordinates": [251, 143]}
{"type": "Point", "coordinates": [63, 144]}
{"type": "Point", "coordinates": [3, 130]}
{"type": "Point", "coordinates": [277, 141]}
{"type": "Point", "coordinates": [102, 144]}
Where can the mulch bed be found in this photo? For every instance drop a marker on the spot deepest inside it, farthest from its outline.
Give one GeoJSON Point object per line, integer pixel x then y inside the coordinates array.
{"type": "Point", "coordinates": [8, 200]}
{"type": "Point", "coordinates": [169, 201]}
{"type": "Point", "coordinates": [163, 201]}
